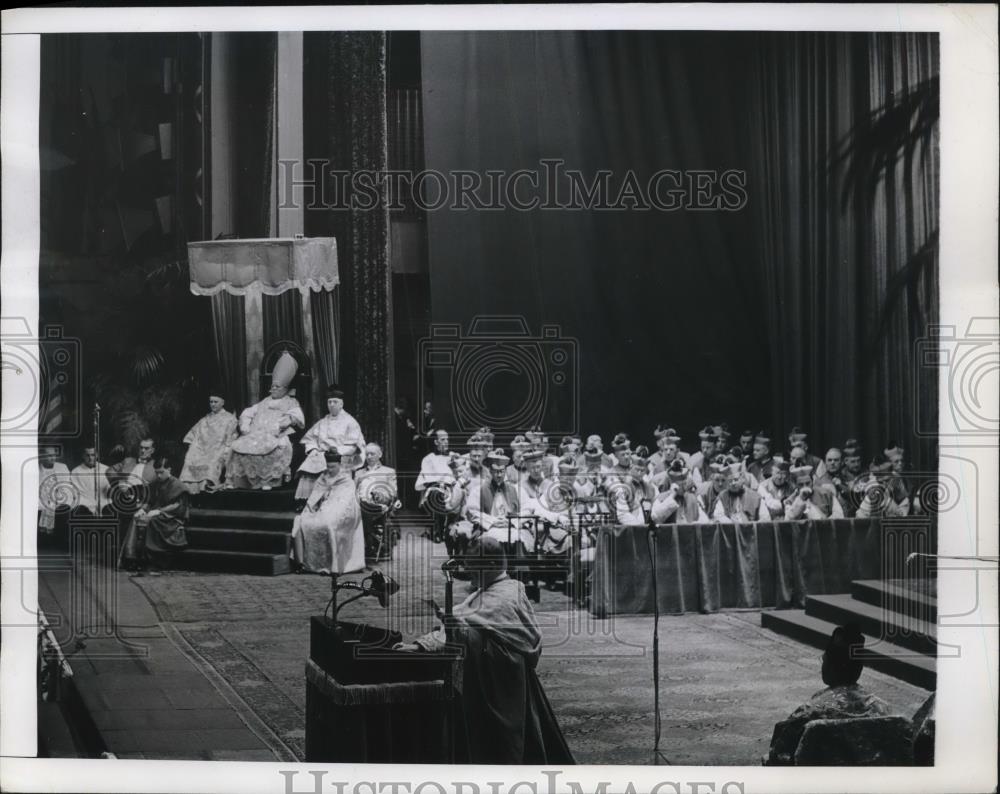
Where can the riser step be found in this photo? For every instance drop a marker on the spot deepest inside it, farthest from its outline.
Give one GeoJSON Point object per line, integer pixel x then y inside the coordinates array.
{"type": "Point", "coordinates": [242, 519]}
{"type": "Point", "coordinates": [268, 501]}
{"type": "Point", "coordinates": [885, 657]}
{"type": "Point", "coordinates": [232, 562]}
{"type": "Point", "coordinates": [917, 635]}
{"type": "Point", "coordinates": [211, 538]}
{"type": "Point", "coordinates": [893, 597]}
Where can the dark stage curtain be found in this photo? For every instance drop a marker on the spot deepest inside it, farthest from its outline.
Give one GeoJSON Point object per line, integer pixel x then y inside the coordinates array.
{"type": "Point", "coordinates": [282, 318]}
{"type": "Point", "coordinates": [325, 310]}
{"type": "Point", "coordinates": [345, 124]}
{"type": "Point", "coordinates": [229, 333]}
{"type": "Point", "coordinates": [666, 307]}
{"type": "Point", "coordinates": [802, 308]}
{"type": "Point", "coordinates": [848, 214]}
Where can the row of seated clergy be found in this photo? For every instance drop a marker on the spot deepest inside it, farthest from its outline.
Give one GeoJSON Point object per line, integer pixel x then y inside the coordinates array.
{"type": "Point", "coordinates": [259, 455]}
{"type": "Point", "coordinates": [87, 488]}
{"type": "Point", "coordinates": [844, 724]}
{"type": "Point", "coordinates": [841, 469]}
{"type": "Point", "coordinates": [470, 501]}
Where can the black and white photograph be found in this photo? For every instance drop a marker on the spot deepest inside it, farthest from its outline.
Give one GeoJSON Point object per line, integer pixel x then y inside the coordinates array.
{"type": "Point", "coordinates": [517, 390]}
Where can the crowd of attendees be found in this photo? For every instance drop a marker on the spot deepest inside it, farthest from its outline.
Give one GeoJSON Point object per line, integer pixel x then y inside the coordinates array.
{"type": "Point", "coordinates": [485, 488]}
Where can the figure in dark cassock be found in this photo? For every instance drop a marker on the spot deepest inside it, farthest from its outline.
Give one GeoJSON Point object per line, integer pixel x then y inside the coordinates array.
{"type": "Point", "coordinates": [158, 527]}
{"type": "Point", "coordinates": [508, 718]}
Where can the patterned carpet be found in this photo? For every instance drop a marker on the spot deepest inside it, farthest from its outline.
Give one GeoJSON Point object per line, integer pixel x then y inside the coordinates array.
{"type": "Point", "coordinates": [724, 681]}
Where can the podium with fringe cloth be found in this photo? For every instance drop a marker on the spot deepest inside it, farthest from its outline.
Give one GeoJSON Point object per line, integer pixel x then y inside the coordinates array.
{"type": "Point", "coordinates": [366, 703]}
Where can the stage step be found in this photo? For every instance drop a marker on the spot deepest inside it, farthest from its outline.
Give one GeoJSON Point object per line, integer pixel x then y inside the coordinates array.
{"type": "Point", "coordinates": [218, 561]}
{"type": "Point", "coordinates": [250, 520]}
{"type": "Point", "coordinates": [899, 662]}
{"type": "Point", "coordinates": [909, 632]}
{"type": "Point", "coordinates": [896, 598]}
{"type": "Point", "coordinates": [257, 501]}
{"type": "Point", "coordinates": [228, 539]}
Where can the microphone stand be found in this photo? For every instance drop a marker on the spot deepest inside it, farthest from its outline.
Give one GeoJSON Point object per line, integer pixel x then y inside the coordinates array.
{"type": "Point", "coordinates": [658, 756]}
{"type": "Point", "coordinates": [97, 456]}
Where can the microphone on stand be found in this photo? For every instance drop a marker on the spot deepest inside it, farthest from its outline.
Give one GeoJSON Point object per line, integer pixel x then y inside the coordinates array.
{"type": "Point", "coordinates": [448, 567]}
{"type": "Point", "coordinates": [647, 513]}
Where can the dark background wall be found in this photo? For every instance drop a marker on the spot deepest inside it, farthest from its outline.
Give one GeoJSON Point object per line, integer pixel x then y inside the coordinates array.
{"type": "Point", "coordinates": [664, 307]}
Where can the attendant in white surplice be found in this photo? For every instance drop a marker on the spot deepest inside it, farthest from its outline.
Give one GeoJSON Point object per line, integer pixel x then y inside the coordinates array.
{"type": "Point", "coordinates": [210, 442]}
{"type": "Point", "coordinates": [327, 535]}
{"type": "Point", "coordinates": [262, 455]}
{"type": "Point", "coordinates": [339, 431]}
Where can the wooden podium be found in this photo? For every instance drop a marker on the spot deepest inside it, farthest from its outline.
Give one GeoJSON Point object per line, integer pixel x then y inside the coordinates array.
{"type": "Point", "coordinates": [366, 703]}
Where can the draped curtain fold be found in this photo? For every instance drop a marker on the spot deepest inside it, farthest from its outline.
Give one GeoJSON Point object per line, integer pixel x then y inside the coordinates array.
{"type": "Point", "coordinates": [229, 334]}
{"type": "Point", "coordinates": [847, 158]}
{"type": "Point", "coordinates": [282, 318]}
{"type": "Point", "coordinates": [251, 70]}
{"type": "Point", "coordinates": [325, 310]}
{"type": "Point", "coordinates": [346, 125]}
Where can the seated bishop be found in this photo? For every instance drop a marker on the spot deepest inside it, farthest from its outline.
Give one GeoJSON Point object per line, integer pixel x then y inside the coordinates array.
{"type": "Point", "coordinates": [262, 455]}
{"type": "Point", "coordinates": [338, 431]}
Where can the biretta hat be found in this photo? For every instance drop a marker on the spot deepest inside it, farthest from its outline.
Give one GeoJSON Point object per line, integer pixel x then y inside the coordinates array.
{"type": "Point", "coordinates": [677, 471]}
{"type": "Point", "coordinates": [762, 437]}
{"type": "Point", "coordinates": [498, 458]}
{"type": "Point", "coordinates": [334, 392]}
{"type": "Point", "coordinates": [520, 443]}
{"type": "Point", "coordinates": [880, 465]}
{"type": "Point", "coordinates": [797, 434]}
{"type": "Point", "coordinates": [780, 464]}
{"type": "Point", "coordinates": [568, 465]}
{"type": "Point", "coordinates": [707, 433]}
{"type": "Point", "coordinates": [801, 473]}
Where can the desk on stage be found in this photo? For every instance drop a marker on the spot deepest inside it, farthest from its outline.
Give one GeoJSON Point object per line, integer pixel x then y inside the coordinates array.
{"type": "Point", "coordinates": [706, 567]}
{"type": "Point", "coordinates": [366, 703]}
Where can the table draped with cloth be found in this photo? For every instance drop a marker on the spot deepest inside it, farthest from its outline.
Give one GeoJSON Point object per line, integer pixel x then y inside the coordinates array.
{"type": "Point", "coordinates": [706, 567]}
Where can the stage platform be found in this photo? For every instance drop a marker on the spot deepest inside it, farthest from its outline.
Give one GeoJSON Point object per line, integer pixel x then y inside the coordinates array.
{"type": "Point", "coordinates": [213, 666]}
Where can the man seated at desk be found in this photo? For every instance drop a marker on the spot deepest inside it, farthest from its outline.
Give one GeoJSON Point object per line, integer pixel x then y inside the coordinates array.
{"type": "Point", "coordinates": [508, 718]}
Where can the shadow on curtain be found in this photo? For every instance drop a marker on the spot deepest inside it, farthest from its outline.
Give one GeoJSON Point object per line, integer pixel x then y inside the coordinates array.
{"type": "Point", "coordinates": [848, 216]}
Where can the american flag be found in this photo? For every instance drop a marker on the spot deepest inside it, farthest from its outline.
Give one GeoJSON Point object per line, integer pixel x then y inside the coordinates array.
{"type": "Point", "coordinates": [53, 386]}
